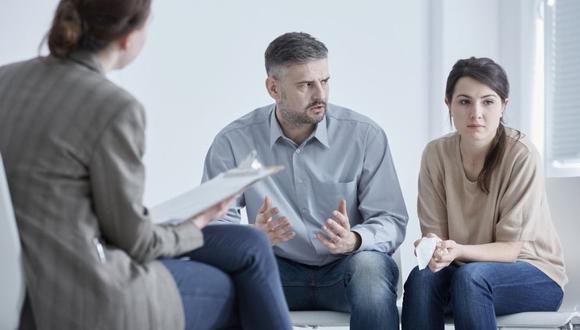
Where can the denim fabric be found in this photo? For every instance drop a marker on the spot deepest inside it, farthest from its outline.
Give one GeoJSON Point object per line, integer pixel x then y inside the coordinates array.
{"type": "Point", "coordinates": [231, 282]}
{"type": "Point", "coordinates": [364, 284]}
{"type": "Point", "coordinates": [475, 293]}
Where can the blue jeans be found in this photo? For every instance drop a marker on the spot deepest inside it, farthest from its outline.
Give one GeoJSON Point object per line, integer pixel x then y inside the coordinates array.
{"type": "Point", "coordinates": [231, 282]}
{"type": "Point", "coordinates": [364, 284]}
{"type": "Point", "coordinates": [475, 293]}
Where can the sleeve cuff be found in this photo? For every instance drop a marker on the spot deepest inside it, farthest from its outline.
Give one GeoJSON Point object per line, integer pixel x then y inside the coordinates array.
{"type": "Point", "coordinates": [187, 237]}
{"type": "Point", "coordinates": [365, 236]}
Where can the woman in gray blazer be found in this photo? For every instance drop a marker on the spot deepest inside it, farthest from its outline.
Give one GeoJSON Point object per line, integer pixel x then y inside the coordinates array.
{"type": "Point", "coordinates": [73, 143]}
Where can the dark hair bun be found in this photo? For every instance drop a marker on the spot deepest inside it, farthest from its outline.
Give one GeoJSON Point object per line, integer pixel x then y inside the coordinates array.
{"type": "Point", "coordinates": [66, 30]}
{"type": "Point", "coordinates": [91, 25]}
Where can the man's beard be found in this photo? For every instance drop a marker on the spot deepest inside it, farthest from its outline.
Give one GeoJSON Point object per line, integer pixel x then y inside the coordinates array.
{"type": "Point", "coordinates": [303, 118]}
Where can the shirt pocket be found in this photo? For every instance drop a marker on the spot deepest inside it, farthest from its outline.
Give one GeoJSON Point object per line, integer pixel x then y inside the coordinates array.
{"type": "Point", "coordinates": [328, 194]}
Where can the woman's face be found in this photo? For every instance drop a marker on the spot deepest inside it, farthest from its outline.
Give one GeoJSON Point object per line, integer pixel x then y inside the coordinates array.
{"type": "Point", "coordinates": [476, 110]}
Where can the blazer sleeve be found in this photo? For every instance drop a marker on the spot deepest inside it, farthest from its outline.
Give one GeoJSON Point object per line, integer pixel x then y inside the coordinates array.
{"type": "Point", "coordinates": [117, 182]}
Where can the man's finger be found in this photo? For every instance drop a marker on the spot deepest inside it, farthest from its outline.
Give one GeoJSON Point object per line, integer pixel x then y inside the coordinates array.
{"type": "Point", "coordinates": [266, 205]}
{"type": "Point", "coordinates": [332, 236]}
{"type": "Point", "coordinates": [268, 214]}
{"type": "Point", "coordinates": [272, 224]}
{"type": "Point", "coordinates": [341, 219]}
{"type": "Point", "coordinates": [330, 245]}
{"type": "Point", "coordinates": [336, 228]}
{"type": "Point", "coordinates": [283, 238]}
{"type": "Point", "coordinates": [281, 230]}
{"type": "Point", "coordinates": [342, 207]}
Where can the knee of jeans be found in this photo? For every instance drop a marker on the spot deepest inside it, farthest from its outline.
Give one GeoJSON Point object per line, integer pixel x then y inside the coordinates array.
{"type": "Point", "coordinates": [420, 280]}
{"type": "Point", "coordinates": [371, 267]}
{"type": "Point", "coordinates": [254, 244]}
{"type": "Point", "coordinates": [251, 235]}
{"type": "Point", "coordinates": [202, 279]}
{"type": "Point", "coordinates": [468, 277]}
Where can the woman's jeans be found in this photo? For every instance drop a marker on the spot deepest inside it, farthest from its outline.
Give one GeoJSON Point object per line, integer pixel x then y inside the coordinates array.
{"type": "Point", "coordinates": [231, 282]}
{"type": "Point", "coordinates": [475, 293]}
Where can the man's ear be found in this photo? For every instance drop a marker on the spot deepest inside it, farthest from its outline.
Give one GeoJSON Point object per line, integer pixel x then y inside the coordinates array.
{"type": "Point", "coordinates": [273, 88]}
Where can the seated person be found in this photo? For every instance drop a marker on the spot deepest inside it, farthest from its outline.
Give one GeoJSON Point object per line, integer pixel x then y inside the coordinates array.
{"type": "Point", "coordinates": [336, 213]}
{"type": "Point", "coordinates": [481, 194]}
{"type": "Point", "coordinates": [73, 143]}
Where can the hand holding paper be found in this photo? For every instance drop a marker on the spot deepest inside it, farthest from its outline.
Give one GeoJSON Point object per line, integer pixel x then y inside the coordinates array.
{"type": "Point", "coordinates": [425, 250]}
{"type": "Point", "coordinates": [437, 254]}
{"type": "Point", "coordinates": [215, 212]}
{"type": "Point", "coordinates": [212, 192]}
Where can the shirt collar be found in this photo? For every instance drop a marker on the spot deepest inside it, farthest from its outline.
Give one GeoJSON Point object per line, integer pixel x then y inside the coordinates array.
{"type": "Point", "coordinates": [87, 59]}
{"type": "Point", "coordinates": [321, 132]}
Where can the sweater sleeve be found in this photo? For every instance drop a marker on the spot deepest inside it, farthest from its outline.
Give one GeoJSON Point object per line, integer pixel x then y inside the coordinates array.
{"type": "Point", "coordinates": [432, 201]}
{"type": "Point", "coordinates": [520, 205]}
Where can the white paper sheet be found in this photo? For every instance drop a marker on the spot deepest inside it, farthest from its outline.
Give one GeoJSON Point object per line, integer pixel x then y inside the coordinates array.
{"type": "Point", "coordinates": [209, 193]}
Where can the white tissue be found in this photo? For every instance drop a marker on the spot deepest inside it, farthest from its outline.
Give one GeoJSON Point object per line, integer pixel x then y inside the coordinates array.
{"type": "Point", "coordinates": [425, 250]}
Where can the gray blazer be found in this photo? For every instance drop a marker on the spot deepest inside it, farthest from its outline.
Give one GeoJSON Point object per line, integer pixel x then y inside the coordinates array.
{"type": "Point", "coordinates": [73, 143]}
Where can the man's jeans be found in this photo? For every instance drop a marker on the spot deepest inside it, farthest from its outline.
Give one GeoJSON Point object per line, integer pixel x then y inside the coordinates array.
{"type": "Point", "coordinates": [475, 293]}
{"type": "Point", "coordinates": [231, 282]}
{"type": "Point", "coordinates": [364, 284]}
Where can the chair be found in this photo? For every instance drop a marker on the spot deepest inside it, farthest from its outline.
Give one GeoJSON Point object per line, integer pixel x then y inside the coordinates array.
{"type": "Point", "coordinates": [563, 194]}
{"type": "Point", "coordinates": [11, 277]}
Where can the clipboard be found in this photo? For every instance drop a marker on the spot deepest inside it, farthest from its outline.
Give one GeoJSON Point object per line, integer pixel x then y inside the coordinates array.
{"type": "Point", "coordinates": [209, 193]}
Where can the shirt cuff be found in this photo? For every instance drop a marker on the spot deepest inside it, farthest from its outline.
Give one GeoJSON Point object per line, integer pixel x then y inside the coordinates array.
{"type": "Point", "coordinates": [366, 238]}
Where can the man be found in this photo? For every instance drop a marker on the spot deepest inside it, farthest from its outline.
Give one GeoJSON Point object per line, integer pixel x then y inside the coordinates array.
{"type": "Point", "coordinates": [336, 213]}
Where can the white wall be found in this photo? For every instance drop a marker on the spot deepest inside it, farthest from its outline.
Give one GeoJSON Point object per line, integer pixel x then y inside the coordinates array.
{"type": "Point", "coordinates": [203, 67]}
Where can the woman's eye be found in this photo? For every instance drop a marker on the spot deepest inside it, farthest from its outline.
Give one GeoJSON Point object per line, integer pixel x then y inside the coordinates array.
{"type": "Point", "coordinates": [488, 102]}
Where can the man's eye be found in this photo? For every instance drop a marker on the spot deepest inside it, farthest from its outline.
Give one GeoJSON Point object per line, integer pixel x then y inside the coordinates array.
{"type": "Point", "coordinates": [464, 102]}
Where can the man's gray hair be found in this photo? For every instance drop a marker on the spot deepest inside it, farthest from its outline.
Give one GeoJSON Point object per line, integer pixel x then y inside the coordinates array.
{"type": "Point", "coordinates": [293, 48]}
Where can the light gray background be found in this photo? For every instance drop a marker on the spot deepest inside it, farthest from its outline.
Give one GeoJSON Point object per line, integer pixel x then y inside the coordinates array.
{"type": "Point", "coordinates": [202, 67]}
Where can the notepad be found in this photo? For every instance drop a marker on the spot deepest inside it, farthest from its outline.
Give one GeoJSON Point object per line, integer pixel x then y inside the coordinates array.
{"type": "Point", "coordinates": [209, 193]}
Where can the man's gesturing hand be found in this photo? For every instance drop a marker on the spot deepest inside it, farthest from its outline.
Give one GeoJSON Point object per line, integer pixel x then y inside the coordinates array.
{"type": "Point", "coordinates": [278, 230]}
{"type": "Point", "coordinates": [337, 235]}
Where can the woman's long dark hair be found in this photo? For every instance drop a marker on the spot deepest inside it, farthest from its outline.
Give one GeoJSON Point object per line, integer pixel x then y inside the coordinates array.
{"type": "Point", "coordinates": [491, 74]}
{"type": "Point", "coordinates": [93, 24]}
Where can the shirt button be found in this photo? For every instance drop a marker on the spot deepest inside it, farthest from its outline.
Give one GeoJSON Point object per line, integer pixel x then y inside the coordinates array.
{"type": "Point", "coordinates": [298, 151]}
{"type": "Point", "coordinates": [304, 210]}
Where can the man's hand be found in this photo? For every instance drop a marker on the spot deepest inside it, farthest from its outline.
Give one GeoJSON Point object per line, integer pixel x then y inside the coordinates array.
{"type": "Point", "coordinates": [337, 235]}
{"type": "Point", "coordinates": [217, 211]}
{"type": "Point", "coordinates": [278, 230]}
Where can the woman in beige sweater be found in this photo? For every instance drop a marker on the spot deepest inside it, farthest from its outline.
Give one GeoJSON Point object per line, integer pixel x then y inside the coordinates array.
{"type": "Point", "coordinates": [482, 196]}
